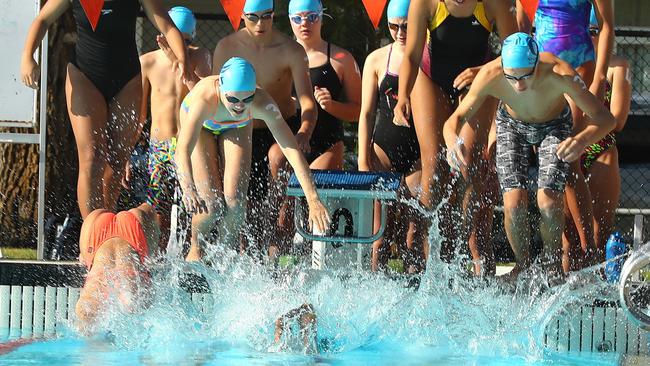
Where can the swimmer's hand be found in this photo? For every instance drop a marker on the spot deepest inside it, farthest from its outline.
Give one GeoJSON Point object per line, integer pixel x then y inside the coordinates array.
{"type": "Point", "coordinates": [193, 202]}
{"type": "Point", "coordinates": [319, 218]}
{"type": "Point", "coordinates": [456, 154]}
{"type": "Point", "coordinates": [177, 64]}
{"type": "Point", "coordinates": [570, 149]}
{"type": "Point", "coordinates": [126, 179]}
{"type": "Point", "coordinates": [30, 72]}
{"type": "Point", "coordinates": [323, 97]}
{"type": "Point", "coordinates": [402, 112]}
{"type": "Point", "coordinates": [302, 140]}
{"type": "Point", "coordinates": [465, 78]}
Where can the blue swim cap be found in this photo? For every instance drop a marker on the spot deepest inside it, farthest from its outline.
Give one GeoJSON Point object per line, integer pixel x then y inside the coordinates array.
{"type": "Point", "coordinates": [592, 18]}
{"type": "Point", "coordinates": [237, 75]}
{"type": "Point", "coordinates": [519, 51]}
{"type": "Point", "coordinates": [299, 6]}
{"type": "Point", "coordinates": [255, 6]}
{"type": "Point", "coordinates": [398, 9]}
{"type": "Point", "coordinates": [184, 20]}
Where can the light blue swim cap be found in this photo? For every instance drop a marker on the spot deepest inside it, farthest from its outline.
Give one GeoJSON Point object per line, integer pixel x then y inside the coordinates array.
{"type": "Point", "coordinates": [519, 51]}
{"type": "Point", "coordinates": [255, 6]}
{"type": "Point", "coordinates": [593, 20]}
{"type": "Point", "coordinates": [299, 6]}
{"type": "Point", "coordinates": [237, 75]}
{"type": "Point", "coordinates": [398, 9]}
{"type": "Point", "coordinates": [184, 20]}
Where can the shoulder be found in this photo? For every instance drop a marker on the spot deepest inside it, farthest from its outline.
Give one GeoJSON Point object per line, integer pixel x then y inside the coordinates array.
{"type": "Point", "coordinates": [377, 56]}
{"type": "Point", "coordinates": [148, 59]}
{"type": "Point", "coordinates": [619, 62]}
{"type": "Point", "coordinates": [490, 72]}
{"type": "Point", "coordinates": [342, 55]}
{"type": "Point", "coordinates": [206, 88]}
{"type": "Point", "coordinates": [228, 41]}
{"type": "Point", "coordinates": [199, 53]}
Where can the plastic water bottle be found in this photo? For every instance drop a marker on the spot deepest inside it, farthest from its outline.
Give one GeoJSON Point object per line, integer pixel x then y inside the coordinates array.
{"type": "Point", "coordinates": [615, 247]}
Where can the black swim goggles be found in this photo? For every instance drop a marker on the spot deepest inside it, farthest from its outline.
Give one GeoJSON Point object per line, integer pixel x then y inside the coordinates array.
{"type": "Point", "coordinates": [395, 27]}
{"type": "Point", "coordinates": [246, 100]}
{"type": "Point", "coordinates": [252, 17]}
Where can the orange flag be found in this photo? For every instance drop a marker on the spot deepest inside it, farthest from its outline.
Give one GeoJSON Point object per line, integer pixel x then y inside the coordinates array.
{"type": "Point", "coordinates": [93, 10]}
{"type": "Point", "coordinates": [233, 9]}
{"type": "Point", "coordinates": [530, 7]}
{"type": "Point", "coordinates": [375, 9]}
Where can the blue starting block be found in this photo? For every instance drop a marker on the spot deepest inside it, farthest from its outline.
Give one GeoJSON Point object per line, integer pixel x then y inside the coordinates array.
{"type": "Point", "coordinates": [348, 195]}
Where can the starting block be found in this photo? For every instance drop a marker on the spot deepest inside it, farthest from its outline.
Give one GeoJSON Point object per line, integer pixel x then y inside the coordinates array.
{"type": "Point", "coordinates": [349, 195]}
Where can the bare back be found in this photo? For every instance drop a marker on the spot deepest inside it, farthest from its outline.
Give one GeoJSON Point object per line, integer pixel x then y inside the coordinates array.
{"type": "Point", "coordinates": [166, 90]}
{"type": "Point", "coordinates": [272, 63]}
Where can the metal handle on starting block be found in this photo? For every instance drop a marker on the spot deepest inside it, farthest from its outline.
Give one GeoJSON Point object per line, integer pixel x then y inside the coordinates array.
{"type": "Point", "coordinates": [298, 219]}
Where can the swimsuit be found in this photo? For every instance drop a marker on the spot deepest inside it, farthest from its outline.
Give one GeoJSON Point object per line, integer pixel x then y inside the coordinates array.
{"type": "Point", "coordinates": [399, 143]}
{"type": "Point", "coordinates": [162, 175]}
{"type": "Point", "coordinates": [515, 139]}
{"type": "Point", "coordinates": [108, 56]}
{"type": "Point", "coordinates": [329, 130]}
{"type": "Point", "coordinates": [562, 28]}
{"type": "Point", "coordinates": [125, 226]}
{"type": "Point", "coordinates": [455, 44]}
{"type": "Point", "coordinates": [594, 151]}
{"type": "Point", "coordinates": [214, 125]}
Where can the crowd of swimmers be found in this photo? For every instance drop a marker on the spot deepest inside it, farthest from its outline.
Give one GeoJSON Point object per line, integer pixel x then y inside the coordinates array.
{"type": "Point", "coordinates": [435, 104]}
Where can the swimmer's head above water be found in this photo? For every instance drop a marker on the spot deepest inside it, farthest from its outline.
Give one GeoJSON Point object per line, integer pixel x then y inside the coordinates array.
{"type": "Point", "coordinates": [237, 84]}
{"type": "Point", "coordinates": [519, 58]}
{"type": "Point", "coordinates": [184, 20]}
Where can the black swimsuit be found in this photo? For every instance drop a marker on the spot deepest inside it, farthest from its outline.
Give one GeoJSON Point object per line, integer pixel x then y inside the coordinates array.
{"type": "Point", "coordinates": [454, 45]}
{"type": "Point", "coordinates": [329, 130]}
{"type": "Point", "coordinates": [399, 143]}
{"type": "Point", "coordinates": [108, 56]}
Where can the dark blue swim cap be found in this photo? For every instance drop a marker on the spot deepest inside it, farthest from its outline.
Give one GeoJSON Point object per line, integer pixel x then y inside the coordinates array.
{"type": "Point", "coordinates": [237, 75]}
{"type": "Point", "coordinates": [519, 51]}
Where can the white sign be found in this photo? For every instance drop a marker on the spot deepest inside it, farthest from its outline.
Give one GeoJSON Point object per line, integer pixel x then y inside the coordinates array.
{"type": "Point", "coordinates": [17, 101]}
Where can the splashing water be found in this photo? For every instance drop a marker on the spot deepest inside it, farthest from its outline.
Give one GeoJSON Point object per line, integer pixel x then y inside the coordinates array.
{"type": "Point", "coordinates": [362, 318]}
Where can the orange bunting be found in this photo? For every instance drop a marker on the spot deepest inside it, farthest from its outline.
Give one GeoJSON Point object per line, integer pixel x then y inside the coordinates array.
{"type": "Point", "coordinates": [93, 10]}
{"type": "Point", "coordinates": [375, 9]}
{"type": "Point", "coordinates": [530, 7]}
{"type": "Point", "coordinates": [234, 9]}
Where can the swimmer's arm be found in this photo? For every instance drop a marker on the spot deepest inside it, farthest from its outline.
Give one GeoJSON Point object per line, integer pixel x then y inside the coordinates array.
{"type": "Point", "coordinates": [50, 12]}
{"type": "Point", "coordinates": [299, 64]}
{"type": "Point", "coordinates": [266, 109]}
{"type": "Point", "coordinates": [605, 15]}
{"type": "Point", "coordinates": [524, 23]}
{"type": "Point", "coordinates": [188, 135]}
{"type": "Point", "coordinates": [601, 120]}
{"type": "Point", "coordinates": [420, 11]}
{"type": "Point", "coordinates": [505, 21]}
{"type": "Point", "coordinates": [146, 89]}
{"type": "Point", "coordinates": [349, 109]}
{"type": "Point", "coordinates": [621, 91]}
{"type": "Point", "coordinates": [368, 110]}
{"type": "Point", "coordinates": [157, 13]}
{"type": "Point", "coordinates": [474, 99]}
{"type": "Point", "coordinates": [220, 55]}
{"type": "Point", "coordinates": [204, 64]}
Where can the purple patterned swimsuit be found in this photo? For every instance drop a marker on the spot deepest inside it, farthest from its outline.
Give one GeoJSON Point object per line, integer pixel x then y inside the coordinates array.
{"type": "Point", "coordinates": [562, 28]}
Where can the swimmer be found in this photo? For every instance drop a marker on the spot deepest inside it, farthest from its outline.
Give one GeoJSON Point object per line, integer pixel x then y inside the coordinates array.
{"type": "Point", "coordinates": [533, 112]}
{"type": "Point", "coordinates": [214, 151]}
{"type": "Point", "coordinates": [448, 43]}
{"type": "Point", "coordinates": [114, 248]}
{"type": "Point", "coordinates": [282, 65]}
{"type": "Point", "coordinates": [103, 88]}
{"type": "Point", "coordinates": [167, 92]}
{"type": "Point", "coordinates": [385, 146]}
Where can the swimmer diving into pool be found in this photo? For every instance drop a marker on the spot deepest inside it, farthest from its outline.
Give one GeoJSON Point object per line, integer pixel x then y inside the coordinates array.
{"type": "Point", "coordinates": [533, 111]}
{"type": "Point", "coordinates": [114, 248]}
{"type": "Point", "coordinates": [213, 152]}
